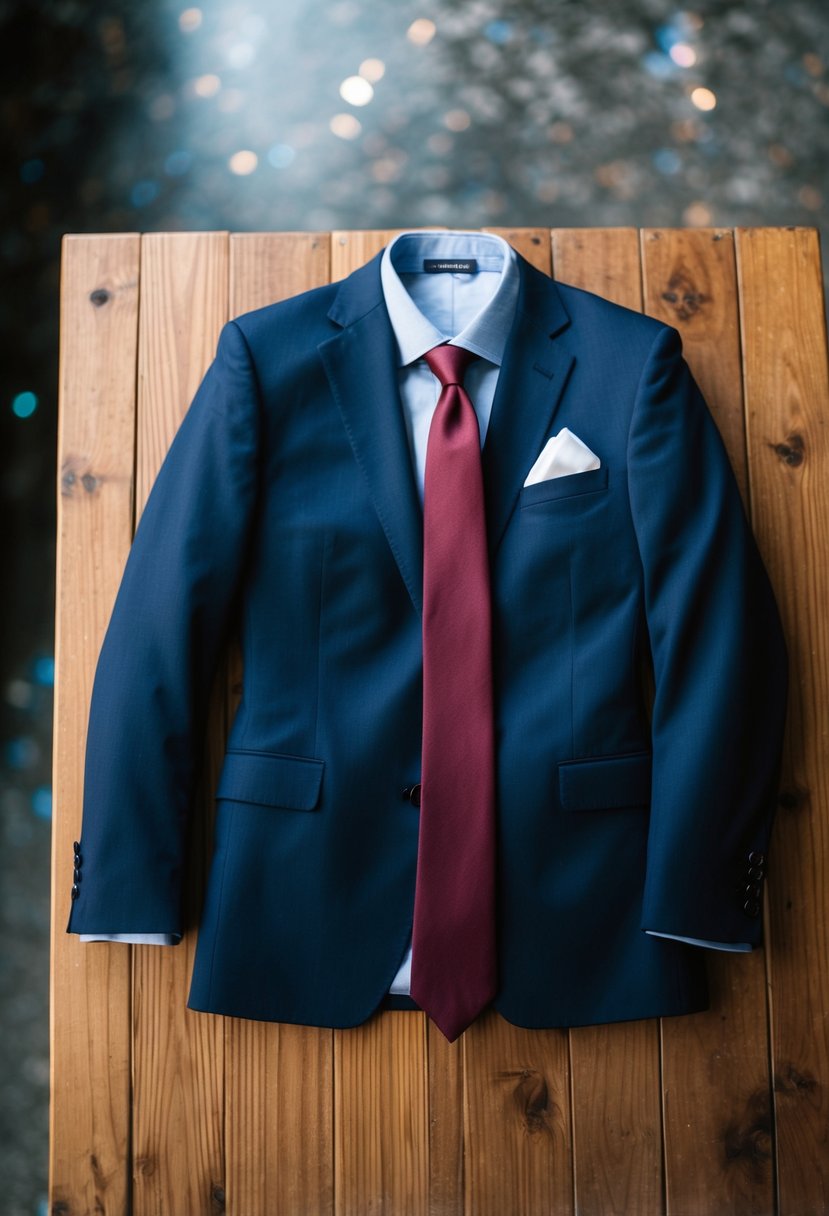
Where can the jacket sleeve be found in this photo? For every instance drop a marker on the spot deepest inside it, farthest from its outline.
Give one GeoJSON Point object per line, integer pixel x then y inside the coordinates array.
{"type": "Point", "coordinates": [719, 660]}
{"type": "Point", "coordinates": [149, 700]}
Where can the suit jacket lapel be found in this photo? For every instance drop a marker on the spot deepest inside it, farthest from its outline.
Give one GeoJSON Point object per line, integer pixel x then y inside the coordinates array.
{"type": "Point", "coordinates": [533, 375]}
{"type": "Point", "coordinates": [361, 364]}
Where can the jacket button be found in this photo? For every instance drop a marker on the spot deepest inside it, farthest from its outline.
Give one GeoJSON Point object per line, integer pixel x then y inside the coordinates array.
{"type": "Point", "coordinates": [756, 873]}
{"type": "Point", "coordinates": [755, 858]}
{"type": "Point", "coordinates": [76, 846]}
{"type": "Point", "coordinates": [412, 794]}
{"type": "Point", "coordinates": [751, 908]}
{"type": "Point", "coordinates": [753, 890]}
{"type": "Point", "coordinates": [76, 874]}
{"type": "Point", "coordinates": [75, 890]}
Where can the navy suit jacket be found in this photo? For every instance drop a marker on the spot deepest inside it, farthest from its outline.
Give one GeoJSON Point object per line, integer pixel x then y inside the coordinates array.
{"type": "Point", "coordinates": [287, 507]}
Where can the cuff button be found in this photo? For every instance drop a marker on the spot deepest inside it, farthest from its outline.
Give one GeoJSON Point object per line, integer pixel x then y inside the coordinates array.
{"type": "Point", "coordinates": [751, 908]}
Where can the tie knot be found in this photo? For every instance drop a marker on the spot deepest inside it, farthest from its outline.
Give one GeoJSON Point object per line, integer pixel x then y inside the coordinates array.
{"type": "Point", "coordinates": [449, 363]}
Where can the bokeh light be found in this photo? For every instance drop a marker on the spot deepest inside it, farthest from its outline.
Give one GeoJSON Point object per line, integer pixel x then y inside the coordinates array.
{"type": "Point", "coordinates": [356, 90]}
{"type": "Point", "coordinates": [372, 70]}
{"type": "Point", "coordinates": [703, 98]}
{"type": "Point", "coordinates": [24, 404]}
{"type": "Point", "coordinates": [683, 55]}
{"type": "Point", "coordinates": [346, 126]}
{"type": "Point", "coordinates": [421, 32]}
{"type": "Point", "coordinates": [457, 120]}
{"type": "Point", "coordinates": [189, 20]}
{"type": "Point", "coordinates": [243, 162]}
{"type": "Point", "coordinates": [207, 85]}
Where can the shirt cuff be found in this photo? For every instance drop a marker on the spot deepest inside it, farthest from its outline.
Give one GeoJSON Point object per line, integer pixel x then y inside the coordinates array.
{"type": "Point", "coordinates": [138, 939]}
{"type": "Point", "coordinates": [698, 941]}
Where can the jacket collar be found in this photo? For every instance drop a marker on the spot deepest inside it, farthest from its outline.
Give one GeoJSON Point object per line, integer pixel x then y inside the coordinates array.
{"type": "Point", "coordinates": [485, 334]}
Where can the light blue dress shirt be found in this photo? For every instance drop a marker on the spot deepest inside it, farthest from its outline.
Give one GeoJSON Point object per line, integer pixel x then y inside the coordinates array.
{"type": "Point", "coordinates": [469, 309]}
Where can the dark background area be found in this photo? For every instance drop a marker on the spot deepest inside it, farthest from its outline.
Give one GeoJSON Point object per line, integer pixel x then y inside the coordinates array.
{"type": "Point", "coordinates": [161, 116]}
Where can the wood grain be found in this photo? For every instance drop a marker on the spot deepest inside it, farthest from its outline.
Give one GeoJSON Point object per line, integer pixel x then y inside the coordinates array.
{"type": "Point", "coordinates": [89, 1024]}
{"type": "Point", "coordinates": [617, 1128]}
{"type": "Point", "coordinates": [178, 1054]}
{"type": "Point", "coordinates": [270, 266]}
{"type": "Point", "coordinates": [517, 1127]}
{"type": "Point", "coordinates": [718, 1133]}
{"type": "Point", "coordinates": [532, 243]}
{"type": "Point", "coordinates": [352, 249]}
{"type": "Point", "coordinates": [602, 260]}
{"type": "Point", "coordinates": [787, 410]}
{"type": "Point", "coordinates": [381, 1117]}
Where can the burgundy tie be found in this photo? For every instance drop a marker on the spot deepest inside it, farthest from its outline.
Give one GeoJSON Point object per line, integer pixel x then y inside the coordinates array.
{"type": "Point", "coordinates": [453, 938]}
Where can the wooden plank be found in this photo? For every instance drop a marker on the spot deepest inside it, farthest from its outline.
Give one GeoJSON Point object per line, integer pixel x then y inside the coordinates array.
{"type": "Point", "coordinates": [532, 243]}
{"type": "Point", "coordinates": [381, 1130]}
{"type": "Point", "coordinates": [278, 1120]}
{"type": "Point", "coordinates": [178, 1073]}
{"type": "Point", "coordinates": [352, 249]}
{"type": "Point", "coordinates": [690, 282]}
{"type": "Point", "coordinates": [279, 1078]}
{"type": "Point", "coordinates": [446, 1144]}
{"type": "Point", "coordinates": [517, 1127]}
{"type": "Point", "coordinates": [718, 1135]}
{"type": "Point", "coordinates": [89, 987]}
{"type": "Point", "coordinates": [603, 260]}
{"type": "Point", "coordinates": [381, 1069]}
{"type": "Point", "coordinates": [270, 266]}
{"type": "Point", "coordinates": [787, 400]}
{"type": "Point", "coordinates": [617, 1118]}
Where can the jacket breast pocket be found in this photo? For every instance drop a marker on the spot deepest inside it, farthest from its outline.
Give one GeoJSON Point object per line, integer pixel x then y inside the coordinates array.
{"type": "Point", "coordinates": [606, 782]}
{"type": "Point", "coordinates": [271, 779]}
{"type": "Point", "coordinates": [571, 485]}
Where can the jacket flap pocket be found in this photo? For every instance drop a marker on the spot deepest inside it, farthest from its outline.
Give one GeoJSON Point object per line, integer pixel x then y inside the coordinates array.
{"type": "Point", "coordinates": [605, 782]}
{"type": "Point", "coordinates": [271, 779]}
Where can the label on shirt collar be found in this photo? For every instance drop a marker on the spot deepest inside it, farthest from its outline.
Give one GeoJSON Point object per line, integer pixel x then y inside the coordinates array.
{"type": "Point", "coordinates": [452, 265]}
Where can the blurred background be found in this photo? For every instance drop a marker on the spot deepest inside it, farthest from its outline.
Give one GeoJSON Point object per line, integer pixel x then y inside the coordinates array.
{"type": "Point", "coordinates": [318, 114]}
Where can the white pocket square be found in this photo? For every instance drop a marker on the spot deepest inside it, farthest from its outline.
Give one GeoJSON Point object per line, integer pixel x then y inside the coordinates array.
{"type": "Point", "coordinates": [562, 454]}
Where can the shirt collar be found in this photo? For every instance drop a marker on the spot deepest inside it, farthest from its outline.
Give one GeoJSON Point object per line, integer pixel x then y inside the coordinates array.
{"type": "Point", "coordinates": [486, 334]}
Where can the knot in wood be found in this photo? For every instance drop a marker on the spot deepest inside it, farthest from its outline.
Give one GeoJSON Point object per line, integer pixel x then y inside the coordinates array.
{"type": "Point", "coordinates": [682, 295]}
{"type": "Point", "coordinates": [747, 1142]}
{"type": "Point", "coordinates": [792, 451]}
{"type": "Point", "coordinates": [100, 296]}
{"type": "Point", "coordinates": [75, 471]}
{"type": "Point", "coordinates": [532, 1096]}
{"type": "Point", "coordinates": [792, 799]}
{"type": "Point", "coordinates": [790, 1080]}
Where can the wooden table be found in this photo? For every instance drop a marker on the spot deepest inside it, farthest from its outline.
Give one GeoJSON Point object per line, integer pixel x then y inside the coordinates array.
{"type": "Point", "coordinates": [160, 1111]}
